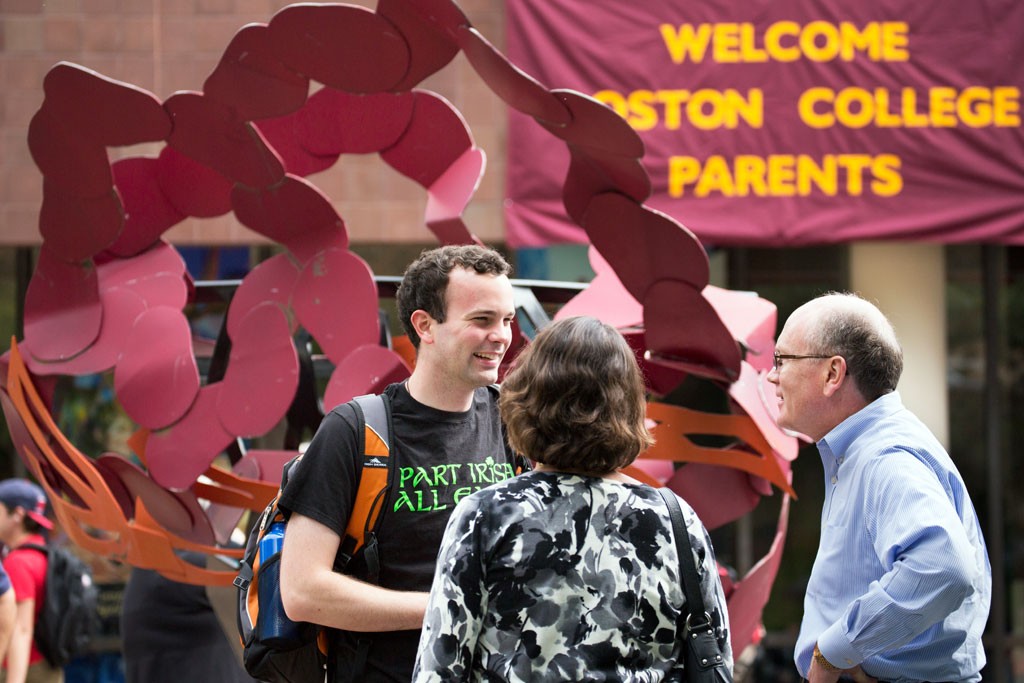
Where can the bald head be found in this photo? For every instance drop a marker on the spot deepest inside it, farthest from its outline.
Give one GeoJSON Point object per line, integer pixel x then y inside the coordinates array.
{"type": "Point", "coordinates": [849, 326]}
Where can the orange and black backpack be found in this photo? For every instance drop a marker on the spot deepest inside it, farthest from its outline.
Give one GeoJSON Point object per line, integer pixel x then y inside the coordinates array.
{"type": "Point", "coordinates": [276, 649]}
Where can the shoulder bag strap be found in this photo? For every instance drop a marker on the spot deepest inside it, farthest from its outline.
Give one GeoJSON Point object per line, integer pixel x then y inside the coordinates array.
{"type": "Point", "coordinates": [687, 566]}
{"type": "Point", "coordinates": [704, 660]}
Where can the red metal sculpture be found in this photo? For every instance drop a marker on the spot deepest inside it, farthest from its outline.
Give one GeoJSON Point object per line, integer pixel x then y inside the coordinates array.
{"type": "Point", "coordinates": [108, 293]}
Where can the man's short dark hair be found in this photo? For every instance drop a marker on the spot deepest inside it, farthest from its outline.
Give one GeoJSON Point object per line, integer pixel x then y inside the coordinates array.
{"type": "Point", "coordinates": [576, 399]}
{"type": "Point", "coordinates": [31, 526]}
{"type": "Point", "coordinates": [874, 358]}
{"type": "Point", "coordinates": [425, 282]}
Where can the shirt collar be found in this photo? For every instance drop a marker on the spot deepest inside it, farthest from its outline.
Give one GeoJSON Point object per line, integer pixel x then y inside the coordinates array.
{"type": "Point", "coordinates": [838, 441]}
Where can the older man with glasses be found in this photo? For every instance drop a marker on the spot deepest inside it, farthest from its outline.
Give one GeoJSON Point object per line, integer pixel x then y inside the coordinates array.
{"type": "Point", "coordinates": [901, 585]}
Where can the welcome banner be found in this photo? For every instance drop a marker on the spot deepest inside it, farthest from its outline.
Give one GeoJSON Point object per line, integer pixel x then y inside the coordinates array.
{"type": "Point", "coordinates": [789, 122]}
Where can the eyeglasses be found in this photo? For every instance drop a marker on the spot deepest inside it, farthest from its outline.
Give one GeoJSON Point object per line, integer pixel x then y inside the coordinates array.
{"type": "Point", "coordinates": [779, 357]}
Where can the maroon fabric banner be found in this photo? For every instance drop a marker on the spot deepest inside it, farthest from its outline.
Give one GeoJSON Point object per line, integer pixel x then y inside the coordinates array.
{"type": "Point", "coordinates": [787, 122]}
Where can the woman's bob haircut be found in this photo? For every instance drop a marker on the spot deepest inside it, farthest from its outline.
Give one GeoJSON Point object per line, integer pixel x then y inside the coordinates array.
{"type": "Point", "coordinates": [575, 400]}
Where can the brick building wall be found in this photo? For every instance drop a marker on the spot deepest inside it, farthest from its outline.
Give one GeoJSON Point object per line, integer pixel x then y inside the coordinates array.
{"type": "Point", "coordinates": [166, 46]}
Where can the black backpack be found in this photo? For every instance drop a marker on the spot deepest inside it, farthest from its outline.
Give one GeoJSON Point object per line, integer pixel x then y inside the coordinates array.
{"type": "Point", "coordinates": [68, 620]}
{"type": "Point", "coordinates": [277, 650]}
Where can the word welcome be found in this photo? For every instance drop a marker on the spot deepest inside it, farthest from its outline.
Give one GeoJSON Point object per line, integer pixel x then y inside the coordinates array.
{"type": "Point", "coordinates": [786, 41]}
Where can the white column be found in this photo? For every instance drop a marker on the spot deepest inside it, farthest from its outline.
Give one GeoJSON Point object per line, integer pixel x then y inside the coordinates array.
{"type": "Point", "coordinates": [908, 283]}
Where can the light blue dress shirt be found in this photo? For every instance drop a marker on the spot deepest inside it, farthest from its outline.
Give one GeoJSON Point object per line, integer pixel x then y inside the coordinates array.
{"type": "Point", "coordinates": [901, 584]}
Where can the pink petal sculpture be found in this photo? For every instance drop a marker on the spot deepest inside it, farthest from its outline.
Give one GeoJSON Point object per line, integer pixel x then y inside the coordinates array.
{"type": "Point", "coordinates": [108, 293]}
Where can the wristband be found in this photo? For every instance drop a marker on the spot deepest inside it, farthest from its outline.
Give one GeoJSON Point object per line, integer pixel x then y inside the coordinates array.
{"type": "Point", "coordinates": [822, 662]}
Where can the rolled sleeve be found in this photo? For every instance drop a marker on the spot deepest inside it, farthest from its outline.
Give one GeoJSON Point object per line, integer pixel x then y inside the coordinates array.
{"type": "Point", "coordinates": [837, 649]}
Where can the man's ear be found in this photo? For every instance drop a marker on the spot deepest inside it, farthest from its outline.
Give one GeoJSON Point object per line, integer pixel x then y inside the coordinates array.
{"type": "Point", "coordinates": [837, 375]}
{"type": "Point", "coordinates": [424, 325]}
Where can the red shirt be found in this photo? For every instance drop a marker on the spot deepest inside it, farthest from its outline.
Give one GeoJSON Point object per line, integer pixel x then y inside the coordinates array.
{"type": "Point", "coordinates": [27, 569]}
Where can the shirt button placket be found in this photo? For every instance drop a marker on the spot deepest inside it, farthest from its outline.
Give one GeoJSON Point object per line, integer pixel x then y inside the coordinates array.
{"type": "Point", "coordinates": [835, 472]}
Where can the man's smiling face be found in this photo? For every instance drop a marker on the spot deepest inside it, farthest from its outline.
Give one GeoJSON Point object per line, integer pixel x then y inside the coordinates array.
{"type": "Point", "coordinates": [477, 329]}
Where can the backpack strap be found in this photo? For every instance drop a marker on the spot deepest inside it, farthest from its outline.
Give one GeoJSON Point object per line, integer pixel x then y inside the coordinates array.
{"type": "Point", "coordinates": [45, 550]}
{"type": "Point", "coordinates": [375, 458]}
{"type": "Point", "coordinates": [375, 468]}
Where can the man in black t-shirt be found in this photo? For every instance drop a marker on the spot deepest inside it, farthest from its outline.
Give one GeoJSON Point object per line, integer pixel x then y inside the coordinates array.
{"type": "Point", "coordinates": [456, 304]}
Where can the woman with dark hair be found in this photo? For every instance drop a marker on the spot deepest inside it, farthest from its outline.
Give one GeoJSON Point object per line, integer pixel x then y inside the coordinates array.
{"type": "Point", "coordinates": [568, 572]}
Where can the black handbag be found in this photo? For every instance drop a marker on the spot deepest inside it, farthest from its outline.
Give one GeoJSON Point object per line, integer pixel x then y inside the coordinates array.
{"type": "Point", "coordinates": [704, 660]}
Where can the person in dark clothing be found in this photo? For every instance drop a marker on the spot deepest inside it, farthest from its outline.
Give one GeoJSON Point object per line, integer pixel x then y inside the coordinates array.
{"type": "Point", "coordinates": [170, 633]}
{"type": "Point", "coordinates": [457, 304]}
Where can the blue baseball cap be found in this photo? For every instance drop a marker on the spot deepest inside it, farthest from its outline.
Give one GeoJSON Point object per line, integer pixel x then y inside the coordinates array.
{"type": "Point", "coordinates": [28, 496]}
